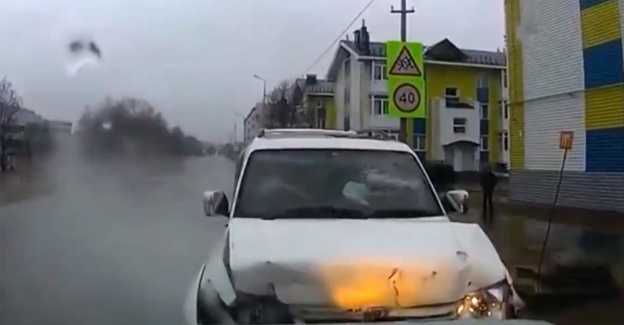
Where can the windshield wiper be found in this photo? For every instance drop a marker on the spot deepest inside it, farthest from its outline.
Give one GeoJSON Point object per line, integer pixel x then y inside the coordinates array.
{"type": "Point", "coordinates": [326, 212]}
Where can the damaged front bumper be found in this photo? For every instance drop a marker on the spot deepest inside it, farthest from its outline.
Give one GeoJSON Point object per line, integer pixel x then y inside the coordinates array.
{"type": "Point", "coordinates": [494, 303]}
{"type": "Point", "coordinates": [425, 271]}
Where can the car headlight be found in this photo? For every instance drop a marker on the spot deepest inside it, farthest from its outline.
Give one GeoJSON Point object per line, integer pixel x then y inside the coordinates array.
{"type": "Point", "coordinates": [489, 303]}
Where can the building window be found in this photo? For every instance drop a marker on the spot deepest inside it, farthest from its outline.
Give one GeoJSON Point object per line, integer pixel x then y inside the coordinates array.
{"type": "Point", "coordinates": [319, 117]}
{"type": "Point", "coordinates": [451, 96]}
{"type": "Point", "coordinates": [379, 105]}
{"type": "Point", "coordinates": [505, 141]}
{"type": "Point", "coordinates": [320, 123]}
{"type": "Point", "coordinates": [347, 95]}
{"type": "Point", "coordinates": [459, 125]}
{"type": "Point", "coordinates": [420, 142]}
{"type": "Point", "coordinates": [504, 78]}
{"type": "Point", "coordinates": [379, 71]}
{"type": "Point", "coordinates": [347, 67]}
{"type": "Point", "coordinates": [485, 146]}
{"type": "Point", "coordinates": [482, 81]}
{"type": "Point", "coordinates": [347, 124]}
{"type": "Point", "coordinates": [505, 110]}
{"type": "Point", "coordinates": [451, 92]}
{"type": "Point", "coordinates": [484, 111]}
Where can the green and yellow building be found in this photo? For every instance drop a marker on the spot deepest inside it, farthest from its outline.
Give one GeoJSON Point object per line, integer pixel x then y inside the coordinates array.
{"type": "Point", "coordinates": [467, 116]}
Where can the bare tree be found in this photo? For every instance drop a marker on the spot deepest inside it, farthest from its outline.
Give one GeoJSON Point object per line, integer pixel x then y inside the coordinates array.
{"type": "Point", "coordinates": [283, 106]}
{"type": "Point", "coordinates": [10, 103]}
{"type": "Point", "coordinates": [132, 125]}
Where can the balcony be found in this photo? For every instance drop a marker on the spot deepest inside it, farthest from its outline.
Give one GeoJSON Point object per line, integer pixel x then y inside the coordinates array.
{"type": "Point", "coordinates": [378, 114]}
{"type": "Point", "coordinates": [378, 87]}
{"type": "Point", "coordinates": [384, 122]}
{"type": "Point", "coordinates": [378, 79]}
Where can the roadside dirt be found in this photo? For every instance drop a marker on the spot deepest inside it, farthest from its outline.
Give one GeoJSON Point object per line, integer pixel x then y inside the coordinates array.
{"type": "Point", "coordinates": [22, 183]}
{"type": "Point", "coordinates": [514, 236]}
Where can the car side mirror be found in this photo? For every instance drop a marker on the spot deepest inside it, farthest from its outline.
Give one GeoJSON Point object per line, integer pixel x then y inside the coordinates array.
{"type": "Point", "coordinates": [456, 201]}
{"type": "Point", "coordinates": [216, 204]}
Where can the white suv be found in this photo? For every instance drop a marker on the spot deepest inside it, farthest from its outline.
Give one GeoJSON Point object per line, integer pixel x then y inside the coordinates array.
{"type": "Point", "coordinates": [334, 226]}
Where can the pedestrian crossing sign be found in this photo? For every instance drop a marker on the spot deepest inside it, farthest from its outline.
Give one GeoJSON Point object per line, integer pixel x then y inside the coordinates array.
{"type": "Point", "coordinates": [405, 65]}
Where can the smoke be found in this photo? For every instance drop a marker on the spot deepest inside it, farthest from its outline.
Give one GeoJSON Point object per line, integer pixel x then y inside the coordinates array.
{"type": "Point", "coordinates": [74, 64]}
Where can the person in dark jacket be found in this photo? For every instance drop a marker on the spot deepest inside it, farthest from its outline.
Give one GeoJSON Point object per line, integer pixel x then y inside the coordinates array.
{"type": "Point", "coordinates": [488, 185]}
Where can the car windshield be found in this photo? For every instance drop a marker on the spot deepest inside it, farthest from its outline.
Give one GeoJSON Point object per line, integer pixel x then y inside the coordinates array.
{"type": "Point", "coordinates": [286, 184]}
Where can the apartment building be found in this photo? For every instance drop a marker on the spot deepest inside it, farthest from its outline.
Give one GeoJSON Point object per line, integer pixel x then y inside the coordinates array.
{"type": "Point", "coordinates": [253, 123]}
{"type": "Point", "coordinates": [467, 117]}
{"type": "Point", "coordinates": [316, 101]}
{"type": "Point", "coordinates": [566, 74]}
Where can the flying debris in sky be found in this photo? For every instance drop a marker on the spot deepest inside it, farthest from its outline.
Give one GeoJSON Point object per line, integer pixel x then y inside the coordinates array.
{"type": "Point", "coordinates": [82, 53]}
{"type": "Point", "coordinates": [79, 46]}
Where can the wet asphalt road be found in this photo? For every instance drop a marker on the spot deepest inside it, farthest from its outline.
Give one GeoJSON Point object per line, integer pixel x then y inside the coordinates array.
{"type": "Point", "coordinates": [108, 245]}
{"type": "Point", "coordinates": [119, 243]}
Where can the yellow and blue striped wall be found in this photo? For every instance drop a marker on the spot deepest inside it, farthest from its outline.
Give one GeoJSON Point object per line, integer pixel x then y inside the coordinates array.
{"type": "Point", "coordinates": [600, 186]}
{"type": "Point", "coordinates": [604, 85]}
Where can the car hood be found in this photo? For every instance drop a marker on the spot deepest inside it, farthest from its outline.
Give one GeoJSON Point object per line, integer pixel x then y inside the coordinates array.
{"type": "Point", "coordinates": [361, 263]}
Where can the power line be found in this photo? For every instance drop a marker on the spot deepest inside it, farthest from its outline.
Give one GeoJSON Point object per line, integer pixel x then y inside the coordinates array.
{"type": "Point", "coordinates": [320, 57]}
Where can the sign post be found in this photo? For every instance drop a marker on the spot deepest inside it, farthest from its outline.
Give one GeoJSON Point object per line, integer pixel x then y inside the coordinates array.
{"type": "Point", "coordinates": [566, 139]}
{"type": "Point", "coordinates": [406, 82]}
{"type": "Point", "coordinates": [403, 12]}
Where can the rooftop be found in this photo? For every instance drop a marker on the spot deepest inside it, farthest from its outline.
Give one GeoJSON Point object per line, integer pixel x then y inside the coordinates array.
{"type": "Point", "coordinates": [378, 49]}
{"type": "Point", "coordinates": [321, 86]}
{"type": "Point", "coordinates": [443, 51]}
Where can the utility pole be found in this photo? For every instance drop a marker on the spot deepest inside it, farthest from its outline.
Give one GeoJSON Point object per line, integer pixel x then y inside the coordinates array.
{"type": "Point", "coordinates": [403, 12]}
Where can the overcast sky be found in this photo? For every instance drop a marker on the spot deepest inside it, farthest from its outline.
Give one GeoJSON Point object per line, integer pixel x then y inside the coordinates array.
{"type": "Point", "coordinates": [194, 60]}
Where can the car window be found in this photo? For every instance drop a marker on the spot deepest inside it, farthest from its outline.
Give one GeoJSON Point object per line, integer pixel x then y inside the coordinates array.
{"type": "Point", "coordinates": [334, 184]}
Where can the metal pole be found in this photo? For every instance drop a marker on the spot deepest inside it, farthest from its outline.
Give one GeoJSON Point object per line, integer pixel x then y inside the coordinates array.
{"type": "Point", "coordinates": [553, 209]}
{"type": "Point", "coordinates": [403, 12]}
{"type": "Point", "coordinates": [263, 93]}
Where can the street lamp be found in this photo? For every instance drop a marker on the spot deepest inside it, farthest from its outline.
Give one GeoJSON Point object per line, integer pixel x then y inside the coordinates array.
{"type": "Point", "coordinates": [264, 82]}
{"type": "Point", "coordinates": [264, 95]}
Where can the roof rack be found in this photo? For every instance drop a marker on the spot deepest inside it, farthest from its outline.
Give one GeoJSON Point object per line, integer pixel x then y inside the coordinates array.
{"type": "Point", "coordinates": [281, 133]}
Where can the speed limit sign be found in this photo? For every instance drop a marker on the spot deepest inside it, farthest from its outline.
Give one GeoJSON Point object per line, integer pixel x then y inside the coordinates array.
{"type": "Point", "coordinates": [406, 98]}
